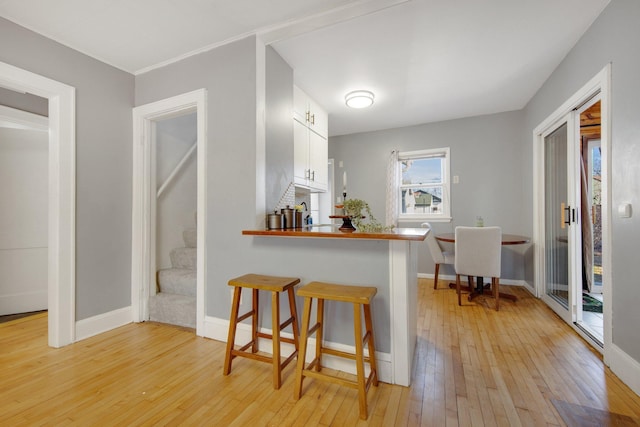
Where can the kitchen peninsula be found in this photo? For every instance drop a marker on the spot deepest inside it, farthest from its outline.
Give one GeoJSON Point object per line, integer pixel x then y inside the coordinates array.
{"type": "Point", "coordinates": [387, 260]}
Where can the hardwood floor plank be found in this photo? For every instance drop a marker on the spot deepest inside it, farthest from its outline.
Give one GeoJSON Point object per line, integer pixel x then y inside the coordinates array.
{"type": "Point", "coordinates": [473, 366]}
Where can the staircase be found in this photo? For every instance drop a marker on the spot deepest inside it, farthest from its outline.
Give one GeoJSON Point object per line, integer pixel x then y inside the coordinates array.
{"type": "Point", "coordinates": [175, 300]}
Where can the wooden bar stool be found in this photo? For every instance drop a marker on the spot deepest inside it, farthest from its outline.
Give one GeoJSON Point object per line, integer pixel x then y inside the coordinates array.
{"type": "Point", "coordinates": [275, 285]}
{"type": "Point", "coordinates": [360, 297]}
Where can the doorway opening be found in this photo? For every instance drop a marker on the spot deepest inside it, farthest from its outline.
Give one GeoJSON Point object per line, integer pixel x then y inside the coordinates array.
{"type": "Point", "coordinates": [146, 190]}
{"type": "Point", "coordinates": [592, 319]}
{"type": "Point", "coordinates": [24, 152]}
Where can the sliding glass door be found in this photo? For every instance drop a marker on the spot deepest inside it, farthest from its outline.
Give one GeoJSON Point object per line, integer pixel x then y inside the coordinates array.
{"type": "Point", "coordinates": [560, 219]}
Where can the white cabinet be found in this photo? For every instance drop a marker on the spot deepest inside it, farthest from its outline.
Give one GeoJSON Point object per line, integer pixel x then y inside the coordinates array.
{"type": "Point", "coordinates": [310, 130]}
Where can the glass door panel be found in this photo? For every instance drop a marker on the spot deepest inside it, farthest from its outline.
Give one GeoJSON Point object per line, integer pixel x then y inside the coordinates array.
{"type": "Point", "coordinates": [556, 231]}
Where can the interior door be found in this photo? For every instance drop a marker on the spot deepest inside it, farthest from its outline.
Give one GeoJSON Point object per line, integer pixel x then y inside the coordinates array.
{"type": "Point", "coordinates": [561, 219]}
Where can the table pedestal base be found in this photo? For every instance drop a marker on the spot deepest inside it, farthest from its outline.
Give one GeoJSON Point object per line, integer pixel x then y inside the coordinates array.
{"type": "Point", "coordinates": [482, 289]}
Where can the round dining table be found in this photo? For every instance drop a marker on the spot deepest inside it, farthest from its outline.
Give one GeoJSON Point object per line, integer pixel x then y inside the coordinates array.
{"type": "Point", "coordinates": [481, 289]}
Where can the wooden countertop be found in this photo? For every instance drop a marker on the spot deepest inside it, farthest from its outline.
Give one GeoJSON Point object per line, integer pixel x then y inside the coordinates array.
{"type": "Point", "coordinates": [332, 232]}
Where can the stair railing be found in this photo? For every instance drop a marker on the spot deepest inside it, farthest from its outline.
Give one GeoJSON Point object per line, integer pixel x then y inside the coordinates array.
{"type": "Point", "coordinates": [176, 169]}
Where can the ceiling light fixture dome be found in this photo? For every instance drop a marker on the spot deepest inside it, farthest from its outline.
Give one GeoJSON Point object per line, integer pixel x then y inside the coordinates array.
{"type": "Point", "coordinates": [359, 99]}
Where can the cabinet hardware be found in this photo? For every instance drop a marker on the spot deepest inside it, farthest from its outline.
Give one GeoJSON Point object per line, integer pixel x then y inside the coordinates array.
{"type": "Point", "coordinates": [313, 119]}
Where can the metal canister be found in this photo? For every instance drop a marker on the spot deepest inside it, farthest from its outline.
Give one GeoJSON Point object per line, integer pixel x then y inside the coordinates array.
{"type": "Point", "coordinates": [298, 219]}
{"type": "Point", "coordinates": [275, 221]}
{"type": "Point", "coordinates": [289, 218]}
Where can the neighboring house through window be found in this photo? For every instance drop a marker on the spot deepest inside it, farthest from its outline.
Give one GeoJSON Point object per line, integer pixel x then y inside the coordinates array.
{"type": "Point", "coordinates": [424, 192]}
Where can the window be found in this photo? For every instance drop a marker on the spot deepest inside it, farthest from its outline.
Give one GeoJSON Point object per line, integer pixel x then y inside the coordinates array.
{"type": "Point", "coordinates": [424, 185]}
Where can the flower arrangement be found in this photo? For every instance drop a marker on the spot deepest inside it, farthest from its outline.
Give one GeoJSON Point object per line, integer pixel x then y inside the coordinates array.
{"type": "Point", "coordinates": [356, 208]}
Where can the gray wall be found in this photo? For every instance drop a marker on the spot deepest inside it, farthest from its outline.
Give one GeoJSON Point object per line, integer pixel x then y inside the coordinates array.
{"type": "Point", "coordinates": [485, 146]}
{"type": "Point", "coordinates": [104, 98]}
{"type": "Point", "coordinates": [24, 101]}
{"type": "Point", "coordinates": [613, 37]}
{"type": "Point", "coordinates": [229, 75]}
{"type": "Point", "coordinates": [279, 127]}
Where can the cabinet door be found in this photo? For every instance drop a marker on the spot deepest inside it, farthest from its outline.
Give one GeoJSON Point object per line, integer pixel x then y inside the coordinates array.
{"type": "Point", "coordinates": [318, 120]}
{"type": "Point", "coordinates": [318, 161]}
{"type": "Point", "coordinates": [300, 105]}
{"type": "Point", "coordinates": [300, 153]}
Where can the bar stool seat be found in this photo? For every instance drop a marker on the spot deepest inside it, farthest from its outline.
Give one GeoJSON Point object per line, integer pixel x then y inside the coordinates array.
{"type": "Point", "coordinates": [275, 285]}
{"type": "Point", "coordinates": [359, 296]}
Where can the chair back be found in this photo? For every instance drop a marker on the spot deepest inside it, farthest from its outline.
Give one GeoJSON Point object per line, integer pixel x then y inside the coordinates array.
{"type": "Point", "coordinates": [432, 244]}
{"type": "Point", "coordinates": [478, 251]}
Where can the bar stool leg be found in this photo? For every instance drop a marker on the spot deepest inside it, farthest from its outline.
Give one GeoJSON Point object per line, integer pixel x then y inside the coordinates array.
{"type": "Point", "coordinates": [294, 314]}
{"type": "Point", "coordinates": [319, 333]}
{"type": "Point", "coordinates": [372, 347]}
{"type": "Point", "coordinates": [231, 338]}
{"type": "Point", "coordinates": [254, 320]}
{"type": "Point", "coordinates": [275, 339]}
{"type": "Point", "coordinates": [302, 352]}
{"type": "Point", "coordinates": [362, 390]}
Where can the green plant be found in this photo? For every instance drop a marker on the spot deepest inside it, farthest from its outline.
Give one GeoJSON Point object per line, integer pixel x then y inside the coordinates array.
{"type": "Point", "coordinates": [356, 209]}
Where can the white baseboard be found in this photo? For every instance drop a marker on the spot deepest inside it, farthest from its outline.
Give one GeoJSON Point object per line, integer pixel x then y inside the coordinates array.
{"type": "Point", "coordinates": [218, 329]}
{"type": "Point", "coordinates": [23, 302]}
{"type": "Point", "coordinates": [451, 278]}
{"type": "Point", "coordinates": [104, 322]}
{"type": "Point", "coordinates": [625, 367]}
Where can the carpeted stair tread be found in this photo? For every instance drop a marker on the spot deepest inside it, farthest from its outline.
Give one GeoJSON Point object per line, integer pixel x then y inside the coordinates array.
{"type": "Point", "coordinates": [184, 258]}
{"type": "Point", "coordinates": [178, 281]}
{"type": "Point", "coordinates": [173, 309]}
{"type": "Point", "coordinates": [190, 237]}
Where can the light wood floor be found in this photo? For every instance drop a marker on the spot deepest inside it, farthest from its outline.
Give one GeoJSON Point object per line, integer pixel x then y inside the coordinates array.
{"type": "Point", "coordinates": [474, 366]}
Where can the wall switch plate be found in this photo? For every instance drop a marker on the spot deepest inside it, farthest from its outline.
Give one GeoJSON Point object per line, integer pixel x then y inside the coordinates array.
{"type": "Point", "coordinates": [624, 210]}
{"type": "Point", "coordinates": [456, 179]}
{"type": "Point", "coordinates": [340, 164]}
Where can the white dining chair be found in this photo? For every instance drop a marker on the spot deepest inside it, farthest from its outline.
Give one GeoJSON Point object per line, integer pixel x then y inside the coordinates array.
{"type": "Point", "coordinates": [439, 256]}
{"type": "Point", "coordinates": [478, 253]}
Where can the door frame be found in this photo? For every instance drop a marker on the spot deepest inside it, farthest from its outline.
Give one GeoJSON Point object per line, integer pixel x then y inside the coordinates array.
{"type": "Point", "coordinates": [600, 83]}
{"type": "Point", "coordinates": [144, 199]}
{"type": "Point", "coordinates": [61, 276]}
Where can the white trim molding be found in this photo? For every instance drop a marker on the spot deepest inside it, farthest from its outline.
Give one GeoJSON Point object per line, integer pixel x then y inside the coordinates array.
{"type": "Point", "coordinates": [61, 286]}
{"type": "Point", "coordinates": [104, 322]}
{"type": "Point", "coordinates": [144, 200]}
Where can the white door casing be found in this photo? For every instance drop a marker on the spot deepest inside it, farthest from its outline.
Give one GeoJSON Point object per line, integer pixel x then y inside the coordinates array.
{"type": "Point", "coordinates": [62, 195]}
{"type": "Point", "coordinates": [144, 199]}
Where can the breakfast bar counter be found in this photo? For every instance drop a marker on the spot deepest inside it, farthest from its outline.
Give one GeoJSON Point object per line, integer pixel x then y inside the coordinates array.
{"type": "Point", "coordinates": [332, 232]}
{"type": "Point", "coordinates": [386, 260]}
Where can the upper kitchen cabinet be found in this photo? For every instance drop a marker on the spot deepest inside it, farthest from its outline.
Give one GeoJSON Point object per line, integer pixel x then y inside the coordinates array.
{"type": "Point", "coordinates": [310, 127]}
{"type": "Point", "coordinates": [309, 113]}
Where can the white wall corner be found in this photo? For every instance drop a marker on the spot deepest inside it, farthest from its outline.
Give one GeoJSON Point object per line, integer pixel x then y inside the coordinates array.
{"type": "Point", "coordinates": [218, 329]}
{"type": "Point", "coordinates": [104, 322]}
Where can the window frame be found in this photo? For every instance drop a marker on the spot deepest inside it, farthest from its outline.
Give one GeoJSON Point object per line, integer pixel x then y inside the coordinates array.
{"type": "Point", "coordinates": [445, 213]}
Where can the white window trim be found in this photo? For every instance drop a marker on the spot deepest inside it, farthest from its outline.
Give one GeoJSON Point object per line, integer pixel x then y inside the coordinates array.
{"type": "Point", "coordinates": [445, 216]}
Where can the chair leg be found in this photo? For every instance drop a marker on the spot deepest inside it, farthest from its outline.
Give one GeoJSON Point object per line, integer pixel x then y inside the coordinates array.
{"type": "Point", "coordinates": [496, 291]}
{"type": "Point", "coordinates": [435, 279]}
{"type": "Point", "coordinates": [458, 289]}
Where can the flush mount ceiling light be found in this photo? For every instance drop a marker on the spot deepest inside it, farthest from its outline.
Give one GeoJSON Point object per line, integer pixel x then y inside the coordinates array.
{"type": "Point", "coordinates": [359, 99]}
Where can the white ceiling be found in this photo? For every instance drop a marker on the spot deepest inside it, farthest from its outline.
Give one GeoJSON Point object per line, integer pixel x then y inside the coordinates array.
{"type": "Point", "coordinates": [426, 60]}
